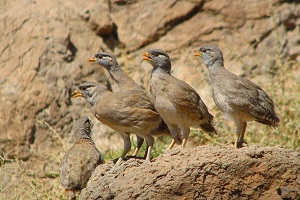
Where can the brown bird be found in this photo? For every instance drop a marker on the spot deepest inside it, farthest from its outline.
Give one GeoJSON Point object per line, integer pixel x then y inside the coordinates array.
{"type": "Point", "coordinates": [178, 103]}
{"type": "Point", "coordinates": [238, 98]}
{"type": "Point", "coordinates": [122, 82]}
{"type": "Point", "coordinates": [81, 159]}
{"type": "Point", "coordinates": [125, 112]}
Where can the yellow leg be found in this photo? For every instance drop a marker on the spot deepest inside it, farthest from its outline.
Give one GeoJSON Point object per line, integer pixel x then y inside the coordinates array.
{"type": "Point", "coordinates": [149, 154]}
{"type": "Point", "coordinates": [171, 145]}
{"type": "Point", "coordinates": [240, 131]}
{"type": "Point", "coordinates": [183, 142]}
{"type": "Point", "coordinates": [135, 151]}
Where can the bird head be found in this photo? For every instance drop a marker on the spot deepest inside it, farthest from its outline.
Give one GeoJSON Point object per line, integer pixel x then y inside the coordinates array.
{"type": "Point", "coordinates": [90, 91]}
{"type": "Point", "coordinates": [82, 128]}
{"type": "Point", "coordinates": [158, 59]}
{"type": "Point", "coordinates": [210, 54]}
{"type": "Point", "coordinates": [106, 60]}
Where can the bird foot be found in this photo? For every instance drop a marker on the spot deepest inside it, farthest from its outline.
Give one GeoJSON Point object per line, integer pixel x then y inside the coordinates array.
{"type": "Point", "coordinates": [118, 163]}
{"type": "Point", "coordinates": [237, 145]}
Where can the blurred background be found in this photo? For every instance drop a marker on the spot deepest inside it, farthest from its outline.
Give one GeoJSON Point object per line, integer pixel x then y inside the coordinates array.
{"type": "Point", "coordinates": [45, 45]}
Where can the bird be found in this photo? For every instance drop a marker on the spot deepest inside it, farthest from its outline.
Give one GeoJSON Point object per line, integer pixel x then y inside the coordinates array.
{"type": "Point", "coordinates": [80, 160]}
{"type": "Point", "coordinates": [122, 82]}
{"type": "Point", "coordinates": [125, 112]}
{"type": "Point", "coordinates": [179, 105]}
{"type": "Point", "coordinates": [239, 99]}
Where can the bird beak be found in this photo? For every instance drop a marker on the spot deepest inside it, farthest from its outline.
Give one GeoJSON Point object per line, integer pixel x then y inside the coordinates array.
{"type": "Point", "coordinates": [147, 56]}
{"type": "Point", "coordinates": [77, 93]}
{"type": "Point", "coordinates": [92, 60]}
{"type": "Point", "coordinates": [197, 53]}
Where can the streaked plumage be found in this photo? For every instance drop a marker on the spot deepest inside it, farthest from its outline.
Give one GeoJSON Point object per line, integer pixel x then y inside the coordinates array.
{"type": "Point", "coordinates": [178, 103]}
{"type": "Point", "coordinates": [81, 159]}
{"type": "Point", "coordinates": [125, 111]}
{"type": "Point", "coordinates": [238, 98]}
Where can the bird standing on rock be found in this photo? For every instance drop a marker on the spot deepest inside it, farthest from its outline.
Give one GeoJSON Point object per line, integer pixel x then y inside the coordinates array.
{"type": "Point", "coordinates": [125, 112]}
{"type": "Point", "coordinates": [238, 98]}
{"type": "Point", "coordinates": [178, 103]}
{"type": "Point", "coordinates": [81, 160]}
{"type": "Point", "coordinates": [122, 82]}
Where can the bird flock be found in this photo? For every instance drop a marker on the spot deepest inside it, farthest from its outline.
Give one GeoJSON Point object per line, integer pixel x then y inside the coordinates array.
{"type": "Point", "coordinates": [170, 108]}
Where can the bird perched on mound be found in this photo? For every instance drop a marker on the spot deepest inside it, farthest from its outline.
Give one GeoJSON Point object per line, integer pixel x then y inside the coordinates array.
{"type": "Point", "coordinates": [80, 161]}
{"type": "Point", "coordinates": [122, 82]}
{"type": "Point", "coordinates": [178, 103]}
{"type": "Point", "coordinates": [126, 112]}
{"type": "Point", "coordinates": [238, 98]}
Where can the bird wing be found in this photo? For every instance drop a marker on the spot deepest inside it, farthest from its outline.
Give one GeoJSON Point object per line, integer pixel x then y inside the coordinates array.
{"type": "Point", "coordinates": [186, 99]}
{"type": "Point", "coordinates": [78, 164]}
{"type": "Point", "coordinates": [126, 109]}
{"type": "Point", "coordinates": [243, 95]}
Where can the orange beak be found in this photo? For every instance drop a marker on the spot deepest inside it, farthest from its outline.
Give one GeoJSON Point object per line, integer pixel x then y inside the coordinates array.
{"type": "Point", "coordinates": [92, 60]}
{"type": "Point", "coordinates": [197, 53]}
{"type": "Point", "coordinates": [77, 93]}
{"type": "Point", "coordinates": [147, 56]}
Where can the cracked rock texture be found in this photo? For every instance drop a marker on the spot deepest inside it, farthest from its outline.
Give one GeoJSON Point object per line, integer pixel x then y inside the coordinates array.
{"type": "Point", "coordinates": [204, 172]}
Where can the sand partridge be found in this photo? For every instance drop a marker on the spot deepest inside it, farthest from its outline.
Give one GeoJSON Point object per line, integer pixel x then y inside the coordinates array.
{"type": "Point", "coordinates": [125, 112]}
{"type": "Point", "coordinates": [239, 99]}
{"type": "Point", "coordinates": [179, 105]}
{"type": "Point", "coordinates": [122, 82]}
{"type": "Point", "coordinates": [80, 160]}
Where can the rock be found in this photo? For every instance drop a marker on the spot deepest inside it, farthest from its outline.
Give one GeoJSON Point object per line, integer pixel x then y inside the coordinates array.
{"type": "Point", "coordinates": [204, 172]}
{"type": "Point", "coordinates": [147, 21]}
{"type": "Point", "coordinates": [100, 20]}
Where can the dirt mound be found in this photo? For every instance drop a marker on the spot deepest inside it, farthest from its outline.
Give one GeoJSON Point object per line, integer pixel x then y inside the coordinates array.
{"type": "Point", "coordinates": [204, 172]}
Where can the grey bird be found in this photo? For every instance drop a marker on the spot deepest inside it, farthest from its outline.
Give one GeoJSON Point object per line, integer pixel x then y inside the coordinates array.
{"type": "Point", "coordinates": [80, 160]}
{"type": "Point", "coordinates": [178, 103]}
{"type": "Point", "coordinates": [125, 112]}
{"type": "Point", "coordinates": [122, 82]}
{"type": "Point", "coordinates": [239, 99]}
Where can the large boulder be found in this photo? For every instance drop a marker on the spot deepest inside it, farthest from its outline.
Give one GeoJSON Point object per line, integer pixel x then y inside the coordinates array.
{"type": "Point", "coordinates": [204, 172]}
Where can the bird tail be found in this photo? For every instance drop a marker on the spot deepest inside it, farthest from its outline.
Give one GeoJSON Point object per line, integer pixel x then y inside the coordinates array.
{"type": "Point", "coordinates": [209, 128]}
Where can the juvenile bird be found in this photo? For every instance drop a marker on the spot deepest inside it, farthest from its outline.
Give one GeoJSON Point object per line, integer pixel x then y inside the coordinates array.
{"type": "Point", "coordinates": [122, 82]}
{"type": "Point", "coordinates": [179, 105]}
{"type": "Point", "coordinates": [80, 160]}
{"type": "Point", "coordinates": [239, 99]}
{"type": "Point", "coordinates": [125, 112]}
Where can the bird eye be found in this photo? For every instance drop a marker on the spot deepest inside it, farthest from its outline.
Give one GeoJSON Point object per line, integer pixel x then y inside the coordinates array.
{"type": "Point", "coordinates": [99, 56]}
{"type": "Point", "coordinates": [156, 54]}
{"type": "Point", "coordinates": [203, 50]}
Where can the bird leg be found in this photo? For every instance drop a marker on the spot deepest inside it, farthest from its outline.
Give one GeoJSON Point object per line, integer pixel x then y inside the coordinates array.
{"type": "Point", "coordinates": [139, 143]}
{"type": "Point", "coordinates": [174, 134]}
{"type": "Point", "coordinates": [127, 146]}
{"type": "Point", "coordinates": [146, 151]}
{"type": "Point", "coordinates": [185, 134]}
{"type": "Point", "coordinates": [240, 131]}
{"type": "Point", "coordinates": [150, 142]}
{"type": "Point", "coordinates": [171, 145]}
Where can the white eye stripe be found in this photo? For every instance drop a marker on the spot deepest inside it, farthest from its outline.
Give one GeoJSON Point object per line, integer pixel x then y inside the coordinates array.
{"type": "Point", "coordinates": [106, 57]}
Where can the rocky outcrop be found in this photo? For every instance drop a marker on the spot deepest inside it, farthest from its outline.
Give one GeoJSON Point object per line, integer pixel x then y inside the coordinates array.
{"type": "Point", "coordinates": [45, 46]}
{"type": "Point", "coordinates": [204, 172]}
